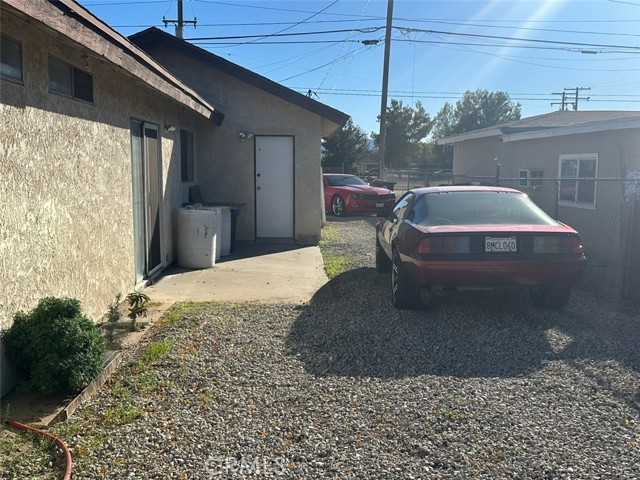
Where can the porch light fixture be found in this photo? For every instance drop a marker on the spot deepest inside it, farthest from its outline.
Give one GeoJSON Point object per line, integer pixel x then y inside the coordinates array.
{"type": "Point", "coordinates": [242, 135]}
{"type": "Point", "coordinates": [170, 128]}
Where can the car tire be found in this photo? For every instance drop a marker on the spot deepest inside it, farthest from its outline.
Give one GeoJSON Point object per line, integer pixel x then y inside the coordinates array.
{"type": "Point", "coordinates": [383, 264]}
{"type": "Point", "coordinates": [338, 207]}
{"type": "Point", "coordinates": [553, 298]}
{"type": "Point", "coordinates": [405, 293]}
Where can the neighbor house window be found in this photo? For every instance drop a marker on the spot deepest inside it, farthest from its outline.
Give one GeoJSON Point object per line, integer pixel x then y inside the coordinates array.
{"type": "Point", "coordinates": [530, 178]}
{"type": "Point", "coordinates": [70, 81]}
{"type": "Point", "coordinates": [186, 155]}
{"type": "Point", "coordinates": [577, 179]}
{"type": "Point", "coordinates": [10, 59]}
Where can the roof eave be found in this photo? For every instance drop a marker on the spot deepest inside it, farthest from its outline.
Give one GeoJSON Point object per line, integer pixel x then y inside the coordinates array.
{"type": "Point", "coordinates": [491, 132]}
{"type": "Point", "coordinates": [593, 127]}
{"type": "Point", "coordinates": [106, 43]}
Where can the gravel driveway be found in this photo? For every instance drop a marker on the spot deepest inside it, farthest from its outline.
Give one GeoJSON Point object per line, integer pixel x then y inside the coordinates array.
{"type": "Point", "coordinates": [473, 385]}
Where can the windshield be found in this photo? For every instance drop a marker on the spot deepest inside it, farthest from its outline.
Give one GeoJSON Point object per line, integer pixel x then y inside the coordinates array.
{"type": "Point", "coordinates": [343, 180]}
{"type": "Point", "coordinates": [478, 208]}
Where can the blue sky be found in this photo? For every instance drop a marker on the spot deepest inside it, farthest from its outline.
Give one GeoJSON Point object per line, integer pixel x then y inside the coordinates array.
{"type": "Point", "coordinates": [528, 48]}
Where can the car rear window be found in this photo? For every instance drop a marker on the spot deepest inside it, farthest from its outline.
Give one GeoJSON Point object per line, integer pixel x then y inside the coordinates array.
{"type": "Point", "coordinates": [478, 208]}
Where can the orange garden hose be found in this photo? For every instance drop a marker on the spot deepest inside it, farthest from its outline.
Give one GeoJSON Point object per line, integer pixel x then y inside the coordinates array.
{"type": "Point", "coordinates": [59, 442]}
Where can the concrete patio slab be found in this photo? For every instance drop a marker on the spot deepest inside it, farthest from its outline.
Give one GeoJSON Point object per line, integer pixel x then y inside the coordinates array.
{"type": "Point", "coordinates": [252, 273]}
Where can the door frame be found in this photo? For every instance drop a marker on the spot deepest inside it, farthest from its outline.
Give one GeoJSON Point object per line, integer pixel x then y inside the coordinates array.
{"type": "Point", "coordinates": [143, 231]}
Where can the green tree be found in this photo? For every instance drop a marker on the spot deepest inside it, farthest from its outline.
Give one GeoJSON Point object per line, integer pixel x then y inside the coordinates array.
{"type": "Point", "coordinates": [406, 127]}
{"type": "Point", "coordinates": [346, 148]}
{"type": "Point", "coordinates": [475, 110]}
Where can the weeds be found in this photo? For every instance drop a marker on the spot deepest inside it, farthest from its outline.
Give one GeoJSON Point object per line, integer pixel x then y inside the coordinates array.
{"type": "Point", "coordinates": [329, 235]}
{"type": "Point", "coordinates": [113, 317]}
{"type": "Point", "coordinates": [155, 351]}
{"type": "Point", "coordinates": [122, 414]}
{"type": "Point", "coordinates": [185, 310]}
{"type": "Point", "coordinates": [335, 265]}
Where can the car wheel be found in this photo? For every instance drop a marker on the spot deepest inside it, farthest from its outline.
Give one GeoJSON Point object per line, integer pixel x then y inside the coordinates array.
{"type": "Point", "coordinates": [338, 207]}
{"type": "Point", "coordinates": [553, 298]}
{"type": "Point", "coordinates": [405, 293]}
{"type": "Point", "coordinates": [383, 264]}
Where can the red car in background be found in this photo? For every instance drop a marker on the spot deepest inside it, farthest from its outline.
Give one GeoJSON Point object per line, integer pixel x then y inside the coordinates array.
{"type": "Point", "coordinates": [348, 195]}
{"type": "Point", "coordinates": [477, 237]}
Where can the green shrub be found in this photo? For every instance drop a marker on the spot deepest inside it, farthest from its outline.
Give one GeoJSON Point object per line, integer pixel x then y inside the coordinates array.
{"type": "Point", "coordinates": [56, 348]}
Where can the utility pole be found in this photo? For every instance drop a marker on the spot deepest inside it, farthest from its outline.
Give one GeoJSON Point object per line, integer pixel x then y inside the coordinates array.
{"type": "Point", "coordinates": [578, 89]}
{"type": "Point", "coordinates": [564, 100]}
{"type": "Point", "coordinates": [564, 105]}
{"type": "Point", "coordinates": [385, 87]}
{"type": "Point", "coordinates": [180, 21]}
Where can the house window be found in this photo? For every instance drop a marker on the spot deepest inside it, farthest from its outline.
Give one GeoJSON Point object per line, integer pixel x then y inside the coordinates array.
{"type": "Point", "coordinates": [186, 155]}
{"type": "Point", "coordinates": [70, 81]}
{"type": "Point", "coordinates": [10, 59]}
{"type": "Point", "coordinates": [531, 178]}
{"type": "Point", "coordinates": [577, 179]}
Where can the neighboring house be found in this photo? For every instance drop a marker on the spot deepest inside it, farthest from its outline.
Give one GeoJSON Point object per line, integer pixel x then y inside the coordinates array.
{"type": "Point", "coordinates": [100, 144]}
{"type": "Point", "coordinates": [578, 166]}
{"type": "Point", "coordinates": [267, 153]}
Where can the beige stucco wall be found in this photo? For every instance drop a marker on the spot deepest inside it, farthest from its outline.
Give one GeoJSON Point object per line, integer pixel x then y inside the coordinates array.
{"type": "Point", "coordinates": [66, 221]}
{"type": "Point", "coordinates": [599, 227]}
{"type": "Point", "coordinates": [230, 175]}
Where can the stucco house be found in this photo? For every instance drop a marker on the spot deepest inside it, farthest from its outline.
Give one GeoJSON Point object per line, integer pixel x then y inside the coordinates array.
{"type": "Point", "coordinates": [281, 192]}
{"type": "Point", "coordinates": [90, 158]}
{"type": "Point", "coordinates": [100, 145]}
{"type": "Point", "coordinates": [581, 167]}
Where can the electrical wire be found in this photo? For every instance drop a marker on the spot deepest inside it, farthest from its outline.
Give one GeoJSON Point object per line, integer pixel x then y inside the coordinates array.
{"type": "Point", "coordinates": [280, 32]}
{"type": "Point", "coordinates": [322, 66]}
{"type": "Point", "coordinates": [348, 51]}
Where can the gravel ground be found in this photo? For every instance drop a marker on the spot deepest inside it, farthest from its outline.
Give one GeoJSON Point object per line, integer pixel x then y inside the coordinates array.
{"type": "Point", "coordinates": [472, 385]}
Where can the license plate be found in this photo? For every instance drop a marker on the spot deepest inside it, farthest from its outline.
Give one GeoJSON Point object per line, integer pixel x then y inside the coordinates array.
{"type": "Point", "coordinates": [500, 244]}
{"type": "Point", "coordinates": [379, 205]}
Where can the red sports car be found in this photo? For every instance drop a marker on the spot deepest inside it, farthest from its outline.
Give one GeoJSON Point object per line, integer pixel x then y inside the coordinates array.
{"type": "Point", "coordinates": [467, 236]}
{"type": "Point", "coordinates": [347, 195]}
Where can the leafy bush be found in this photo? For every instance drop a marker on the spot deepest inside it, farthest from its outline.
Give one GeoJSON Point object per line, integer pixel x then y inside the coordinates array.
{"type": "Point", "coordinates": [56, 348]}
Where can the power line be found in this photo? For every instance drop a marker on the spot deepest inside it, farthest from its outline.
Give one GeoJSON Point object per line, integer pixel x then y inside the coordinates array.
{"type": "Point", "coordinates": [369, 17]}
{"type": "Point", "coordinates": [528, 96]}
{"type": "Point", "coordinates": [518, 39]}
{"type": "Point", "coordinates": [295, 34]}
{"type": "Point", "coordinates": [322, 66]}
{"type": "Point", "coordinates": [280, 32]}
{"type": "Point", "coordinates": [503, 45]}
{"type": "Point", "coordinates": [630, 48]}
{"type": "Point", "coordinates": [460, 23]}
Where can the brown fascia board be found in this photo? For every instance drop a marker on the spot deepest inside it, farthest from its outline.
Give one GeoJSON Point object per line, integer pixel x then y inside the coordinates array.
{"type": "Point", "coordinates": [155, 36]}
{"type": "Point", "coordinates": [63, 16]}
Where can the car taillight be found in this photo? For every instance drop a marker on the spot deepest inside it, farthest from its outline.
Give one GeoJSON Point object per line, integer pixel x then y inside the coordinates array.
{"type": "Point", "coordinates": [443, 245]}
{"type": "Point", "coordinates": [557, 244]}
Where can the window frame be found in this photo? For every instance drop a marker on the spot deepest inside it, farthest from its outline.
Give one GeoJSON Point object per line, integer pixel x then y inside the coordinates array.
{"type": "Point", "coordinates": [404, 205]}
{"type": "Point", "coordinates": [532, 178]}
{"type": "Point", "coordinates": [4, 39]}
{"type": "Point", "coordinates": [74, 84]}
{"type": "Point", "coordinates": [578, 180]}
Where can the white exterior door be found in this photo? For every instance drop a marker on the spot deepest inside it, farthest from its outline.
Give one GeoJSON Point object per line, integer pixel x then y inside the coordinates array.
{"type": "Point", "coordinates": [274, 187]}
